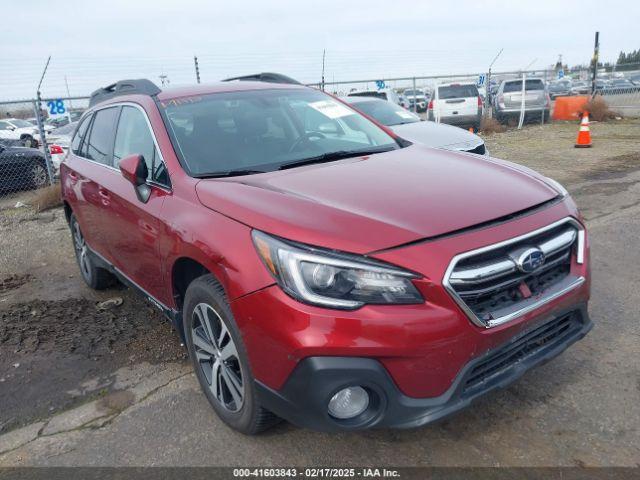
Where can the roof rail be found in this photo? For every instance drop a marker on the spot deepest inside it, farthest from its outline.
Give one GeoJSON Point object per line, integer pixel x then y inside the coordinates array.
{"type": "Point", "coordinates": [124, 87]}
{"type": "Point", "coordinates": [268, 77]}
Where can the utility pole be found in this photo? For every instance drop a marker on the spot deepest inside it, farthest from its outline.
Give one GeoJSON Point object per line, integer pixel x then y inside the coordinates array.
{"type": "Point", "coordinates": [195, 62]}
{"type": "Point", "coordinates": [47, 154]}
{"type": "Point", "coordinates": [594, 63]}
{"type": "Point", "coordinates": [322, 82]}
{"type": "Point", "coordinates": [164, 79]}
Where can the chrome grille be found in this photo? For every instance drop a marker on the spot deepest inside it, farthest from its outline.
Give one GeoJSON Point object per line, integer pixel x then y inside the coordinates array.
{"type": "Point", "coordinates": [493, 287]}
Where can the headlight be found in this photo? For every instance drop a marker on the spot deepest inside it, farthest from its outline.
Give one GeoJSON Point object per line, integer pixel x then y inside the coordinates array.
{"type": "Point", "coordinates": [555, 184]}
{"type": "Point", "coordinates": [332, 279]}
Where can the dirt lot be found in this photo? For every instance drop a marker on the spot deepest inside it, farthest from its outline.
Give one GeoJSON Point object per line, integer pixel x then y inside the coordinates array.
{"type": "Point", "coordinates": [58, 349]}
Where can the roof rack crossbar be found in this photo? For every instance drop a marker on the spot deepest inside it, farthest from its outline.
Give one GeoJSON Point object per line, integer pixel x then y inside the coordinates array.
{"type": "Point", "coordinates": [268, 77]}
{"type": "Point", "coordinates": [140, 86]}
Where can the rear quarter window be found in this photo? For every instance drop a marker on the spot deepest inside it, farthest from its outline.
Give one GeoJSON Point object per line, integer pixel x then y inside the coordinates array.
{"type": "Point", "coordinates": [98, 146]}
{"type": "Point", "coordinates": [76, 143]}
{"type": "Point", "coordinates": [457, 91]}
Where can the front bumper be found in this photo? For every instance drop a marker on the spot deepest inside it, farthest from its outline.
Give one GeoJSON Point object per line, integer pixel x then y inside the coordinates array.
{"type": "Point", "coordinates": [458, 120]}
{"type": "Point", "coordinates": [304, 397]}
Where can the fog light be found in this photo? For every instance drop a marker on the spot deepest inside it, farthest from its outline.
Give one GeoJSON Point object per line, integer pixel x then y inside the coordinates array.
{"type": "Point", "coordinates": [348, 403]}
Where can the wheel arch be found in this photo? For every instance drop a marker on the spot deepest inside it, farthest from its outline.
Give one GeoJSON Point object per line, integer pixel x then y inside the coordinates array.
{"type": "Point", "coordinates": [68, 211]}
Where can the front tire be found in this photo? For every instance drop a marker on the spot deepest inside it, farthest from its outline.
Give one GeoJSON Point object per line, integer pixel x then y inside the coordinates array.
{"type": "Point", "coordinates": [219, 358]}
{"type": "Point", "coordinates": [95, 277]}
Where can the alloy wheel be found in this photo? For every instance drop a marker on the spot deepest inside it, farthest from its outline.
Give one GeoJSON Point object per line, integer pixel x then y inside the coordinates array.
{"type": "Point", "coordinates": [39, 175]}
{"type": "Point", "coordinates": [217, 357]}
{"type": "Point", "coordinates": [82, 251]}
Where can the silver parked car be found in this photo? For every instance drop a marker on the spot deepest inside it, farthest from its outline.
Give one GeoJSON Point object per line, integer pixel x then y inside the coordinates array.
{"type": "Point", "coordinates": [508, 100]}
{"type": "Point", "coordinates": [410, 127]}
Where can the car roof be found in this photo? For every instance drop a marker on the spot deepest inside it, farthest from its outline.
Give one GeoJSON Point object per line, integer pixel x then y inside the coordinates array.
{"type": "Point", "coordinates": [222, 87]}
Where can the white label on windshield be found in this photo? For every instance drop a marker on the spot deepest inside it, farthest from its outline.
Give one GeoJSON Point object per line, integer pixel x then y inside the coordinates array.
{"type": "Point", "coordinates": [404, 114]}
{"type": "Point", "coordinates": [331, 109]}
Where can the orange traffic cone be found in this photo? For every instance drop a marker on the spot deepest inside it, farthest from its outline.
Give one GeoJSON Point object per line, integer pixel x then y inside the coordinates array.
{"type": "Point", "coordinates": [584, 135]}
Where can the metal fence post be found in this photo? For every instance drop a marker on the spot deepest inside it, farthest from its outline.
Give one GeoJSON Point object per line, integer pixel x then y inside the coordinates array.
{"type": "Point", "coordinates": [45, 148]}
{"type": "Point", "coordinates": [415, 102]}
{"type": "Point", "coordinates": [522, 102]}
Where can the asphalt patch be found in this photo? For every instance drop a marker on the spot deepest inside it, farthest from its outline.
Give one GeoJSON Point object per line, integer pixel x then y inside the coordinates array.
{"type": "Point", "coordinates": [49, 348]}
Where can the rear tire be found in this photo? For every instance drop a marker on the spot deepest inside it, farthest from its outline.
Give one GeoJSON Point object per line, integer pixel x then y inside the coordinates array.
{"type": "Point", "coordinates": [220, 359]}
{"type": "Point", "coordinates": [94, 276]}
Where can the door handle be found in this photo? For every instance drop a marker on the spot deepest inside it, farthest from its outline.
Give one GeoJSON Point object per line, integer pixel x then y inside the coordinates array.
{"type": "Point", "coordinates": [104, 193]}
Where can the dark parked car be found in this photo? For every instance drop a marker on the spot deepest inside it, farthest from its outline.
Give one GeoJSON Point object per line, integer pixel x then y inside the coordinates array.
{"type": "Point", "coordinates": [559, 89]}
{"type": "Point", "coordinates": [21, 167]}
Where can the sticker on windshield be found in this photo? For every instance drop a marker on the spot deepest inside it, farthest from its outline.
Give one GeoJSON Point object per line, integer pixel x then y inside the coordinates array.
{"type": "Point", "coordinates": [331, 109]}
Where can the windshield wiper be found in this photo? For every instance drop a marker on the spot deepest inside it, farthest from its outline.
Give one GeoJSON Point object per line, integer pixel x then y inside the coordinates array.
{"type": "Point", "coordinates": [332, 156]}
{"type": "Point", "coordinates": [229, 173]}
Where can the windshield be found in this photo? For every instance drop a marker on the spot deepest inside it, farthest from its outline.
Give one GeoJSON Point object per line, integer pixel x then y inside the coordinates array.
{"type": "Point", "coordinates": [386, 113]}
{"type": "Point", "coordinates": [264, 130]}
{"type": "Point", "coordinates": [21, 123]}
{"type": "Point", "coordinates": [414, 93]}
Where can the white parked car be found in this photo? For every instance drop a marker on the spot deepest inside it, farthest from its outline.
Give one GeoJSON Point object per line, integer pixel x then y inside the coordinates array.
{"type": "Point", "coordinates": [21, 130]}
{"type": "Point", "coordinates": [456, 104]}
{"type": "Point", "coordinates": [58, 141]}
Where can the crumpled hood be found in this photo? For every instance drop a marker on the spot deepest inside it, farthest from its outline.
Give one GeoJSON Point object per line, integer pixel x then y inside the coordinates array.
{"type": "Point", "coordinates": [438, 135]}
{"type": "Point", "coordinates": [371, 203]}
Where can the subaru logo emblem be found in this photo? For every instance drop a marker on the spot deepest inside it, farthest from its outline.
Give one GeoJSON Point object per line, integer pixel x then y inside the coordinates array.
{"type": "Point", "coordinates": [530, 260]}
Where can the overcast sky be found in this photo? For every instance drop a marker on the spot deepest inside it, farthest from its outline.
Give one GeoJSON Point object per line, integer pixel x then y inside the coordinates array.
{"type": "Point", "coordinates": [94, 43]}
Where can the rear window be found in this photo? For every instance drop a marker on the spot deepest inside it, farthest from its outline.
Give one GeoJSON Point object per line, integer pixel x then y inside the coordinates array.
{"type": "Point", "coordinates": [516, 86]}
{"type": "Point", "coordinates": [457, 91]}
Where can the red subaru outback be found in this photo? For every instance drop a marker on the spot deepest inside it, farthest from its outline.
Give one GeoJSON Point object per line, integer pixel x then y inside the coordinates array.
{"type": "Point", "coordinates": [319, 268]}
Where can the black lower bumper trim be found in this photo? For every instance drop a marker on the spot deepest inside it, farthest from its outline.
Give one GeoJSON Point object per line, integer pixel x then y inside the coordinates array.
{"type": "Point", "coordinates": [304, 398]}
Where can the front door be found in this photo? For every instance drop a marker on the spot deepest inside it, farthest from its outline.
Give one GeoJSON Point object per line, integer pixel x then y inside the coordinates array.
{"type": "Point", "coordinates": [135, 226]}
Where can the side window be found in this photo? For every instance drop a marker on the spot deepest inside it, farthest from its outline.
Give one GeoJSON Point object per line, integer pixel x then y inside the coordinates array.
{"type": "Point", "coordinates": [98, 145]}
{"type": "Point", "coordinates": [80, 133]}
{"type": "Point", "coordinates": [4, 126]}
{"type": "Point", "coordinates": [134, 137]}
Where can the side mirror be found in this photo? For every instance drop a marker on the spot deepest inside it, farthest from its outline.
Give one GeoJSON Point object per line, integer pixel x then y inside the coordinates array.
{"type": "Point", "coordinates": [134, 170]}
{"type": "Point", "coordinates": [11, 127]}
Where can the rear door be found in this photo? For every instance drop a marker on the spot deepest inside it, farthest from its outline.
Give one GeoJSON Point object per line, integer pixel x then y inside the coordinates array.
{"type": "Point", "coordinates": [87, 167]}
{"type": "Point", "coordinates": [457, 99]}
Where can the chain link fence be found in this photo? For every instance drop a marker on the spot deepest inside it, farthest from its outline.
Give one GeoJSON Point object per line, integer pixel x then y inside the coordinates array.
{"type": "Point", "coordinates": [620, 90]}
{"type": "Point", "coordinates": [30, 160]}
